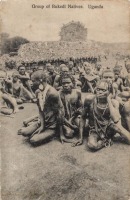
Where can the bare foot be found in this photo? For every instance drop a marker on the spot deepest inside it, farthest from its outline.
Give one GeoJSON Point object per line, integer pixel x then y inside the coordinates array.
{"type": "Point", "coordinates": [16, 110]}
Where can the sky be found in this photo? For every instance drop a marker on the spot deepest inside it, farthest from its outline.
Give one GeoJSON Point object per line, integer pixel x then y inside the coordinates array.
{"type": "Point", "coordinates": [108, 24]}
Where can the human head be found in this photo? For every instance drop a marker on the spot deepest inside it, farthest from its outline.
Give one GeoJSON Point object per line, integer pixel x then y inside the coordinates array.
{"type": "Point", "coordinates": [108, 76]}
{"type": "Point", "coordinates": [50, 69]}
{"type": "Point", "coordinates": [40, 68]}
{"type": "Point", "coordinates": [117, 70]}
{"type": "Point", "coordinates": [87, 68]}
{"type": "Point", "coordinates": [98, 66]}
{"type": "Point", "coordinates": [34, 67]}
{"type": "Point", "coordinates": [15, 76]}
{"type": "Point", "coordinates": [128, 67]}
{"type": "Point", "coordinates": [39, 77]}
{"type": "Point", "coordinates": [70, 65]}
{"type": "Point", "coordinates": [21, 69]}
{"type": "Point", "coordinates": [2, 75]}
{"type": "Point", "coordinates": [48, 65]}
{"type": "Point", "coordinates": [102, 89]}
{"type": "Point", "coordinates": [67, 84]}
{"type": "Point", "coordinates": [64, 69]}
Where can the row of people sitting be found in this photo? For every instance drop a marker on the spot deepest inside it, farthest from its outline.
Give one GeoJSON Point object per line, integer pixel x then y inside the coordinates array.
{"type": "Point", "coordinates": [103, 113]}
{"type": "Point", "coordinates": [22, 89]}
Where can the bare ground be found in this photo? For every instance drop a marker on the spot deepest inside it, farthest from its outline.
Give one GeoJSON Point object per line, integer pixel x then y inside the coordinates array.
{"type": "Point", "coordinates": [60, 172]}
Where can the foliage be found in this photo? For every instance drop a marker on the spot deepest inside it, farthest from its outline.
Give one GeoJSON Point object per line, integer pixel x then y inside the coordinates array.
{"type": "Point", "coordinates": [11, 44]}
{"type": "Point", "coordinates": [73, 31]}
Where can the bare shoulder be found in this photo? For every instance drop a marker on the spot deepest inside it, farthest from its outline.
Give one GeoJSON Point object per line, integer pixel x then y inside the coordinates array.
{"type": "Point", "coordinates": [53, 92]}
{"type": "Point", "coordinates": [114, 85]}
{"type": "Point", "coordinates": [37, 91]}
{"type": "Point", "coordinates": [56, 73]}
{"type": "Point", "coordinates": [115, 103]}
{"type": "Point", "coordinates": [89, 98]}
{"type": "Point", "coordinates": [127, 107]}
{"type": "Point", "coordinates": [57, 77]}
{"type": "Point", "coordinates": [77, 91]}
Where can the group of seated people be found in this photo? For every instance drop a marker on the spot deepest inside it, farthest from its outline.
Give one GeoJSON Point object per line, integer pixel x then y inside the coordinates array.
{"type": "Point", "coordinates": [95, 104]}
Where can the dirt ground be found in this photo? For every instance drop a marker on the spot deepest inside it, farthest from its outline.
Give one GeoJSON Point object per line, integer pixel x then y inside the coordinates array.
{"type": "Point", "coordinates": [56, 171]}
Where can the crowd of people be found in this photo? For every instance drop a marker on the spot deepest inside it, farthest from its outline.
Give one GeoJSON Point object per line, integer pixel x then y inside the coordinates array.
{"type": "Point", "coordinates": [73, 102]}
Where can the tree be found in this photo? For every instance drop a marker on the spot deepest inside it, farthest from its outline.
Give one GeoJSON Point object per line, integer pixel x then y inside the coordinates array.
{"type": "Point", "coordinates": [73, 31]}
{"type": "Point", "coordinates": [11, 44]}
{"type": "Point", "coordinates": [4, 36]}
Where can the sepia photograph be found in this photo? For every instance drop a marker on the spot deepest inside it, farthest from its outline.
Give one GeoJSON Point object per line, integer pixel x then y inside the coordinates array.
{"type": "Point", "coordinates": [64, 100]}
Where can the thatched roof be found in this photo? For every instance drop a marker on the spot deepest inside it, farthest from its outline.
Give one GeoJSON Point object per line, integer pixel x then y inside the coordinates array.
{"type": "Point", "coordinates": [44, 51]}
{"type": "Point", "coordinates": [57, 50]}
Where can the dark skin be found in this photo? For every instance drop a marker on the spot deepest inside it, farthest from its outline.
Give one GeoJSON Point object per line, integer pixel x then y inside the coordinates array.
{"type": "Point", "coordinates": [98, 70]}
{"type": "Point", "coordinates": [117, 78]}
{"type": "Point", "coordinates": [88, 79]}
{"type": "Point", "coordinates": [127, 79]}
{"type": "Point", "coordinates": [25, 79]}
{"type": "Point", "coordinates": [73, 97]}
{"type": "Point", "coordinates": [52, 74]}
{"type": "Point", "coordinates": [8, 99]}
{"type": "Point", "coordinates": [113, 105]}
{"type": "Point", "coordinates": [121, 96]}
{"type": "Point", "coordinates": [54, 103]}
{"type": "Point", "coordinates": [109, 78]}
{"type": "Point", "coordinates": [16, 88]}
{"type": "Point", "coordinates": [64, 71]}
{"type": "Point", "coordinates": [22, 74]}
{"type": "Point", "coordinates": [125, 95]}
{"type": "Point", "coordinates": [71, 67]}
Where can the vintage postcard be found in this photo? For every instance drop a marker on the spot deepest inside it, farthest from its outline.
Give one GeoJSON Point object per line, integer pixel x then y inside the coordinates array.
{"type": "Point", "coordinates": [65, 99]}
